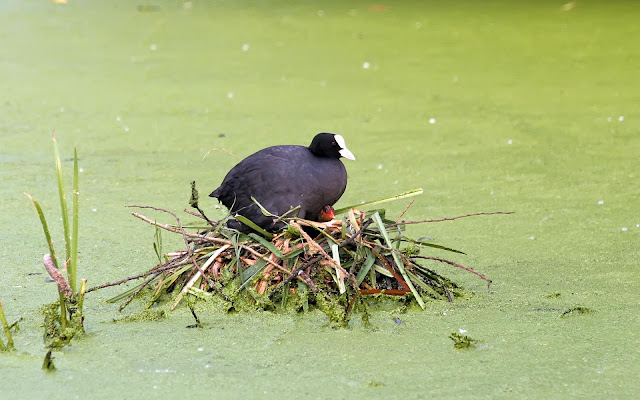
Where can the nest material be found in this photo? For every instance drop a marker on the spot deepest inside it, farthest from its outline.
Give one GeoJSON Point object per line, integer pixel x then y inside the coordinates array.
{"type": "Point", "coordinates": [330, 265]}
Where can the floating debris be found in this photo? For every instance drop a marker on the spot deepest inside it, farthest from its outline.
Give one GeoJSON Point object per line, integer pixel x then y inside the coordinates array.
{"type": "Point", "coordinates": [462, 342]}
{"type": "Point", "coordinates": [575, 311]}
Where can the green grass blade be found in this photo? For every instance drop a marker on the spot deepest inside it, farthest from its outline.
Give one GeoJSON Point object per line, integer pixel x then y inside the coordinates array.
{"type": "Point", "coordinates": [253, 226]}
{"type": "Point", "coordinates": [47, 234]}
{"type": "Point", "coordinates": [294, 253]}
{"type": "Point", "coordinates": [63, 201]}
{"type": "Point", "coordinates": [433, 245]}
{"type": "Point", "coordinates": [7, 332]}
{"type": "Point", "coordinates": [336, 257]}
{"type": "Point", "coordinates": [252, 272]}
{"type": "Point", "coordinates": [123, 295]}
{"type": "Point", "coordinates": [72, 267]}
{"type": "Point", "coordinates": [425, 287]}
{"type": "Point", "coordinates": [276, 251]}
{"type": "Point", "coordinates": [45, 228]}
{"type": "Point", "coordinates": [264, 210]}
{"type": "Point", "coordinates": [396, 258]}
{"type": "Point", "coordinates": [366, 266]}
{"type": "Point", "coordinates": [236, 259]}
{"type": "Point", "coordinates": [404, 195]}
{"type": "Point", "coordinates": [382, 271]}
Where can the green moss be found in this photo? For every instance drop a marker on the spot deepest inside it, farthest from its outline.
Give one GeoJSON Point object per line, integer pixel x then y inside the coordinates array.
{"type": "Point", "coordinates": [147, 315]}
{"type": "Point", "coordinates": [462, 342]}
{"type": "Point", "coordinates": [55, 337]}
{"type": "Point", "coordinates": [333, 309]}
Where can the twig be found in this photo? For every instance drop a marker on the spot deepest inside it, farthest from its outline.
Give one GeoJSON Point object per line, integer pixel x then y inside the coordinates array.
{"type": "Point", "coordinates": [307, 279]}
{"type": "Point", "coordinates": [207, 238]}
{"type": "Point", "coordinates": [198, 274]}
{"type": "Point", "coordinates": [358, 234]}
{"type": "Point", "coordinates": [255, 253]}
{"type": "Point", "coordinates": [195, 316]}
{"type": "Point", "coordinates": [171, 264]}
{"type": "Point", "coordinates": [341, 273]}
{"type": "Point", "coordinates": [133, 296]}
{"type": "Point", "coordinates": [405, 210]}
{"type": "Point", "coordinates": [447, 293]}
{"type": "Point", "coordinates": [297, 271]}
{"type": "Point", "coordinates": [386, 264]}
{"type": "Point", "coordinates": [455, 265]}
{"type": "Point", "coordinates": [449, 218]}
{"type": "Point", "coordinates": [184, 234]}
{"type": "Point", "coordinates": [190, 250]}
{"type": "Point", "coordinates": [352, 270]}
{"type": "Point", "coordinates": [212, 284]}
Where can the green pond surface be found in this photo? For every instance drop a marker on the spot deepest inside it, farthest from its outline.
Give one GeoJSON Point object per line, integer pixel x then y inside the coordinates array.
{"type": "Point", "coordinates": [531, 107]}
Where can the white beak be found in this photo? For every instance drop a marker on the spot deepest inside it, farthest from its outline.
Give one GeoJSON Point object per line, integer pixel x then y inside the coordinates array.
{"type": "Point", "coordinates": [347, 154]}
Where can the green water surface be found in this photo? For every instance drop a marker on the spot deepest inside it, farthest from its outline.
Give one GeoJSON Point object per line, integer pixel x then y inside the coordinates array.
{"type": "Point", "coordinates": [518, 106]}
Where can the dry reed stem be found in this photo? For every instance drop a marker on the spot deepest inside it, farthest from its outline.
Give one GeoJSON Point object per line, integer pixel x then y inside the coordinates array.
{"type": "Point", "coordinates": [405, 210]}
{"type": "Point", "coordinates": [449, 218]}
{"type": "Point", "coordinates": [318, 249]}
{"type": "Point", "coordinates": [135, 294]}
{"type": "Point", "coordinates": [205, 238]}
{"type": "Point", "coordinates": [158, 268]}
{"type": "Point", "coordinates": [197, 275]}
{"type": "Point", "coordinates": [216, 268]}
{"type": "Point", "coordinates": [455, 265]}
{"type": "Point", "coordinates": [55, 274]}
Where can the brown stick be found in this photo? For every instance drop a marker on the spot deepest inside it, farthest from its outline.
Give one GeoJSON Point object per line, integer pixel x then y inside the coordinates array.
{"type": "Point", "coordinates": [212, 285]}
{"type": "Point", "coordinates": [390, 292]}
{"type": "Point", "coordinates": [174, 263]}
{"type": "Point", "coordinates": [405, 210]}
{"type": "Point", "coordinates": [133, 296]}
{"type": "Point", "coordinates": [449, 218]}
{"type": "Point", "coordinates": [390, 269]}
{"type": "Point", "coordinates": [189, 249]}
{"type": "Point", "coordinates": [184, 236]}
{"type": "Point", "coordinates": [294, 274]}
{"type": "Point", "coordinates": [315, 246]}
{"type": "Point", "coordinates": [205, 238]}
{"type": "Point", "coordinates": [174, 230]}
{"type": "Point", "coordinates": [455, 265]}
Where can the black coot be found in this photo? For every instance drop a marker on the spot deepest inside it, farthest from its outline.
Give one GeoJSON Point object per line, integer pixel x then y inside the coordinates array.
{"type": "Point", "coordinates": [282, 177]}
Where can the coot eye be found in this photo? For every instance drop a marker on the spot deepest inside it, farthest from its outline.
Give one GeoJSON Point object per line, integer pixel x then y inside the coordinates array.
{"type": "Point", "coordinates": [334, 144]}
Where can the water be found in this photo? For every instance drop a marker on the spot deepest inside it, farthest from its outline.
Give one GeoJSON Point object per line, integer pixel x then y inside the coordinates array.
{"type": "Point", "coordinates": [499, 106]}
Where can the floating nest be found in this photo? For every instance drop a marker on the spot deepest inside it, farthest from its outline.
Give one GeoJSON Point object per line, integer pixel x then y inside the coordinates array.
{"type": "Point", "coordinates": [336, 266]}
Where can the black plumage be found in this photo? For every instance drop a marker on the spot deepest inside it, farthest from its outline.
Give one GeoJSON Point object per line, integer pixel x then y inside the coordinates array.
{"type": "Point", "coordinates": [282, 177]}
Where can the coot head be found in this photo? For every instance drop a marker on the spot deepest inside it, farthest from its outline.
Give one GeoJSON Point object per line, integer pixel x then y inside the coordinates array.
{"type": "Point", "coordinates": [326, 214]}
{"type": "Point", "coordinates": [331, 146]}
